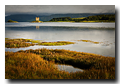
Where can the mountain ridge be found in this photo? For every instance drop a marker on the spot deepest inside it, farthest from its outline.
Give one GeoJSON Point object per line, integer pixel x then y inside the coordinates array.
{"type": "Point", "coordinates": [31, 17]}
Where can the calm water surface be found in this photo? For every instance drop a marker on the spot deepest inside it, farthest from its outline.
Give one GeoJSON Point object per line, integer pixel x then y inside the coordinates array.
{"type": "Point", "coordinates": [100, 32]}
{"type": "Point", "coordinates": [68, 68]}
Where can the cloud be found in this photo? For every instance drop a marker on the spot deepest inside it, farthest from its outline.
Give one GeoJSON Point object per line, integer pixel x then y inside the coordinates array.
{"type": "Point", "coordinates": [59, 9]}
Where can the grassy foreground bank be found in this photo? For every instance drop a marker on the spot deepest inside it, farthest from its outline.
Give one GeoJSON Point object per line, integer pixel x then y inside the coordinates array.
{"type": "Point", "coordinates": [31, 64]}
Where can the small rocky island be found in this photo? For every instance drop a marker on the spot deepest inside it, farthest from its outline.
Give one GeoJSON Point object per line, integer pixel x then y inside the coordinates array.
{"type": "Point", "coordinates": [12, 21]}
{"type": "Point", "coordinates": [37, 20]}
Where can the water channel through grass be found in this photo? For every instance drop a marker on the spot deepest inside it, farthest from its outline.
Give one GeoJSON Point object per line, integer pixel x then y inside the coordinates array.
{"type": "Point", "coordinates": [41, 63]}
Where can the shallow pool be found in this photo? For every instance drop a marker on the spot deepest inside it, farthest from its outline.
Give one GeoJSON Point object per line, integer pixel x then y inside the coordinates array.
{"type": "Point", "coordinates": [68, 68]}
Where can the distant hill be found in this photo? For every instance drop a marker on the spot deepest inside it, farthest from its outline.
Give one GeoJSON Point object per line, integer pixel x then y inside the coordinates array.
{"type": "Point", "coordinates": [31, 17]}
{"type": "Point", "coordinates": [12, 21]}
{"type": "Point", "coordinates": [94, 18]}
{"type": "Point", "coordinates": [104, 18]}
{"type": "Point", "coordinates": [21, 17]}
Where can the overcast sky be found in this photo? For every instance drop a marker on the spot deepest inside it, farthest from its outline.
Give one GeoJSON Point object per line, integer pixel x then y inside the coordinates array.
{"type": "Point", "coordinates": [36, 9]}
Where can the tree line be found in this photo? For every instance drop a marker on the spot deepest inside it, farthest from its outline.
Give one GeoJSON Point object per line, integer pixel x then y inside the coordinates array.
{"type": "Point", "coordinates": [62, 19]}
{"type": "Point", "coordinates": [99, 18]}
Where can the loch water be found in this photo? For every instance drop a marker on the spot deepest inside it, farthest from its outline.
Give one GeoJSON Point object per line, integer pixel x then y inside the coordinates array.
{"type": "Point", "coordinates": [66, 31]}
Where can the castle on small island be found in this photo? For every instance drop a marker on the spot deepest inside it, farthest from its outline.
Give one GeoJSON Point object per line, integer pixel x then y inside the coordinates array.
{"type": "Point", "coordinates": [37, 20]}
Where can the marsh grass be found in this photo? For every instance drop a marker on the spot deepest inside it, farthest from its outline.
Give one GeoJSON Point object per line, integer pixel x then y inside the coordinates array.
{"type": "Point", "coordinates": [58, 43]}
{"type": "Point", "coordinates": [17, 43]}
{"type": "Point", "coordinates": [40, 63]}
{"type": "Point", "coordinates": [90, 41]}
{"type": "Point", "coordinates": [28, 66]}
{"type": "Point", "coordinates": [31, 64]}
{"type": "Point", "coordinates": [36, 41]}
{"type": "Point", "coordinates": [94, 66]}
{"type": "Point", "coordinates": [79, 59]}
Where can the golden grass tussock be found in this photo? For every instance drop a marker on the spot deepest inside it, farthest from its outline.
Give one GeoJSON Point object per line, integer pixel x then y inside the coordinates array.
{"type": "Point", "coordinates": [28, 66]}
{"type": "Point", "coordinates": [86, 61]}
{"type": "Point", "coordinates": [32, 64]}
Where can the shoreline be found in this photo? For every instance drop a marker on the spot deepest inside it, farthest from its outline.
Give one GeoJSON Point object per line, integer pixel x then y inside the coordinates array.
{"type": "Point", "coordinates": [17, 44]}
{"type": "Point", "coordinates": [11, 22]}
{"type": "Point", "coordinates": [80, 22]}
{"type": "Point", "coordinates": [65, 24]}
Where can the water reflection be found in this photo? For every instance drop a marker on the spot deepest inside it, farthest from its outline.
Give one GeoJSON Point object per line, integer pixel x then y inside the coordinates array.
{"type": "Point", "coordinates": [37, 27]}
{"type": "Point", "coordinates": [63, 24]}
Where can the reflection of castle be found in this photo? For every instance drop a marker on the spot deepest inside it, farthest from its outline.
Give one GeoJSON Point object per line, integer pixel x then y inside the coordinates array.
{"type": "Point", "coordinates": [37, 18]}
{"type": "Point", "coordinates": [37, 27]}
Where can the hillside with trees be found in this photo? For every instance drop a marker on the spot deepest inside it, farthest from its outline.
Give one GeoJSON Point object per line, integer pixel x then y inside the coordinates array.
{"type": "Point", "coordinates": [62, 19]}
{"type": "Point", "coordinates": [100, 18]}
{"type": "Point", "coordinates": [12, 21]}
{"type": "Point", "coordinates": [95, 18]}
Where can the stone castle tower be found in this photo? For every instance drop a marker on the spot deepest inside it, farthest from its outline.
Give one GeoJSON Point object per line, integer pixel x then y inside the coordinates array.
{"type": "Point", "coordinates": [37, 18]}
